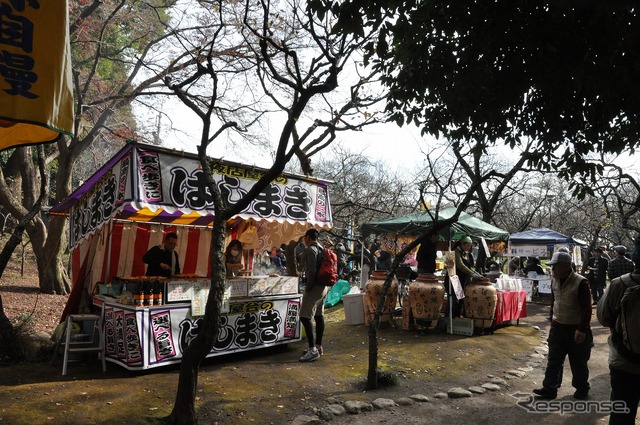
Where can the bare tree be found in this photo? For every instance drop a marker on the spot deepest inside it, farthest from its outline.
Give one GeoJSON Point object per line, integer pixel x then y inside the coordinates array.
{"type": "Point", "coordinates": [364, 190]}
{"type": "Point", "coordinates": [113, 44]}
{"type": "Point", "coordinates": [9, 345]}
{"type": "Point", "coordinates": [296, 59]}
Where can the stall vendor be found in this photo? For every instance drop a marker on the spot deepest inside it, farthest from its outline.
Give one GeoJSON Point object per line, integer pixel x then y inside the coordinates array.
{"type": "Point", "coordinates": [163, 261]}
{"type": "Point", "coordinates": [464, 262]}
{"type": "Point", "coordinates": [233, 258]}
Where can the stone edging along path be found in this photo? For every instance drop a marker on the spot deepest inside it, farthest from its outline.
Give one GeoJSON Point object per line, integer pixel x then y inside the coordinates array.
{"type": "Point", "coordinates": [354, 407]}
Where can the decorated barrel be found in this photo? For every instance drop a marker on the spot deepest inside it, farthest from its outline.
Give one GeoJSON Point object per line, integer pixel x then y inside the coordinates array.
{"type": "Point", "coordinates": [480, 300]}
{"type": "Point", "coordinates": [426, 297]}
{"type": "Point", "coordinates": [373, 293]}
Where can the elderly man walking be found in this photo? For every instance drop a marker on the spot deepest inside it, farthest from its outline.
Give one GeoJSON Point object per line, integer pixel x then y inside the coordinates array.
{"type": "Point", "coordinates": [570, 333]}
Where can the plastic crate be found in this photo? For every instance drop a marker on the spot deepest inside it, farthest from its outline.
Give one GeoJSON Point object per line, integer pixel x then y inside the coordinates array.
{"type": "Point", "coordinates": [462, 326]}
{"type": "Point", "coordinates": [353, 308]}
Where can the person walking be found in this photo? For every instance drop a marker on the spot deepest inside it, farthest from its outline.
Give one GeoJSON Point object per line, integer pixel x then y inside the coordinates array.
{"type": "Point", "coordinates": [570, 332]}
{"type": "Point", "coordinates": [597, 267]}
{"type": "Point", "coordinates": [620, 264]}
{"type": "Point", "coordinates": [624, 373]}
{"type": "Point", "coordinates": [312, 305]}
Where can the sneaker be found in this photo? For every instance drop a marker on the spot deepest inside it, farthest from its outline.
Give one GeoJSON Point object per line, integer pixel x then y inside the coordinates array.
{"type": "Point", "coordinates": [318, 347]}
{"type": "Point", "coordinates": [546, 393]}
{"type": "Point", "coordinates": [311, 355]}
{"type": "Point", "coordinates": [581, 394]}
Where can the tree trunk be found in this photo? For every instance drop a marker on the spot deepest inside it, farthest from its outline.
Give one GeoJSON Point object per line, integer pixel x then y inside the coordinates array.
{"type": "Point", "coordinates": [47, 248]}
{"type": "Point", "coordinates": [184, 412]}
{"type": "Point", "coordinates": [8, 346]}
{"type": "Point", "coordinates": [7, 335]}
{"type": "Point", "coordinates": [372, 374]}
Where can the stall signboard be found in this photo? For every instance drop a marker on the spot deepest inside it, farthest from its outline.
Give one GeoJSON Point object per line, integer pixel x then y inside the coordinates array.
{"type": "Point", "coordinates": [273, 285]}
{"type": "Point", "coordinates": [529, 251]}
{"type": "Point", "coordinates": [143, 338]}
{"type": "Point", "coordinates": [36, 81]}
{"type": "Point", "coordinates": [544, 286]}
{"type": "Point", "coordinates": [145, 183]}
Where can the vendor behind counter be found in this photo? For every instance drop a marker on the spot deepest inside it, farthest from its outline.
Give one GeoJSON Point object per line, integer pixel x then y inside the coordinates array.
{"type": "Point", "coordinates": [163, 260]}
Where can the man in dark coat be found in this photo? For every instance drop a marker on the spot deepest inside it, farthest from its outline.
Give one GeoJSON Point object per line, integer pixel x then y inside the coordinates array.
{"type": "Point", "coordinates": [597, 267]}
{"type": "Point", "coordinates": [163, 260]}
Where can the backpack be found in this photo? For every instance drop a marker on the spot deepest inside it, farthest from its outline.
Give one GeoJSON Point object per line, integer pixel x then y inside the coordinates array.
{"type": "Point", "coordinates": [327, 273]}
{"type": "Point", "coordinates": [626, 333]}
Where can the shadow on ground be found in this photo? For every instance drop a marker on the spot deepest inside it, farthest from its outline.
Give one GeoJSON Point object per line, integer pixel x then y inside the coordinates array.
{"type": "Point", "coordinates": [265, 386]}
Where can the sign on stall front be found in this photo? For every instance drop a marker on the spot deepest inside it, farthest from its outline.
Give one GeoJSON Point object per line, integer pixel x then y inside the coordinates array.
{"type": "Point", "coordinates": [151, 337]}
{"type": "Point", "coordinates": [529, 251]}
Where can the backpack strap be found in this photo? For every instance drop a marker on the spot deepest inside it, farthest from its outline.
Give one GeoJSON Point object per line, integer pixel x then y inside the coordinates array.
{"type": "Point", "coordinates": [320, 256]}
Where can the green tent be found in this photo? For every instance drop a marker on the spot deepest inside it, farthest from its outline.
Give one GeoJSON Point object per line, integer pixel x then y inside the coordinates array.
{"type": "Point", "coordinates": [415, 224]}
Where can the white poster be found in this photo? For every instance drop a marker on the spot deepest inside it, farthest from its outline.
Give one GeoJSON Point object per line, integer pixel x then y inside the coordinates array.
{"type": "Point", "coordinates": [457, 287]}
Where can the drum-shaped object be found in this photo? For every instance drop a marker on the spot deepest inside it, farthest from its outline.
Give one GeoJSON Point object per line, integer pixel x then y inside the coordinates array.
{"type": "Point", "coordinates": [480, 300]}
{"type": "Point", "coordinates": [373, 293]}
{"type": "Point", "coordinates": [426, 297]}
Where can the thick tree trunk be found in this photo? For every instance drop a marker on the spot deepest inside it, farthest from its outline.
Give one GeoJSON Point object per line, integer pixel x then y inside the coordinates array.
{"type": "Point", "coordinates": [47, 248]}
{"type": "Point", "coordinates": [21, 187]}
{"type": "Point", "coordinates": [8, 346]}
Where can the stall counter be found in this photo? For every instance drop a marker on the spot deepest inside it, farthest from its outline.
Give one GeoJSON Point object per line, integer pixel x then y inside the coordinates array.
{"type": "Point", "coordinates": [140, 338]}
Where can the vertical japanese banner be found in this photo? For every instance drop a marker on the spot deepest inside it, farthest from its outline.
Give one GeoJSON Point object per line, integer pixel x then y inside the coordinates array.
{"type": "Point", "coordinates": [36, 94]}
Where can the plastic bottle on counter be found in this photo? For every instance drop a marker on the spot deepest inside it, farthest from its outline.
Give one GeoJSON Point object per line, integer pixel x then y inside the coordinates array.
{"type": "Point", "coordinates": [138, 298]}
{"type": "Point", "coordinates": [157, 294]}
{"type": "Point", "coordinates": [148, 295]}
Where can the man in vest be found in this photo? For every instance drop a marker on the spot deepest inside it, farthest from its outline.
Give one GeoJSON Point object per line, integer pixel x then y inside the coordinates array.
{"type": "Point", "coordinates": [570, 333]}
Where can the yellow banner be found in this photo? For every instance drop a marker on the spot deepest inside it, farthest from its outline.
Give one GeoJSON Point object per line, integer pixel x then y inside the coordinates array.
{"type": "Point", "coordinates": [36, 94]}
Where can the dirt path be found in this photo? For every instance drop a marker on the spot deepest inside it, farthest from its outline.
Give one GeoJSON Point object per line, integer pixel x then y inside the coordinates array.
{"type": "Point", "coordinates": [503, 406]}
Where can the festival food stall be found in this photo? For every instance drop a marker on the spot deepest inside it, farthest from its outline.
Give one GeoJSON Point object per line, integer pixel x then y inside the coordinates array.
{"type": "Point", "coordinates": [132, 202]}
{"type": "Point", "coordinates": [485, 305]}
{"type": "Point", "coordinates": [541, 242]}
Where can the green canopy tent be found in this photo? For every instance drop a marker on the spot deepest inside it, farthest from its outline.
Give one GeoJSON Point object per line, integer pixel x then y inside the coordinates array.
{"type": "Point", "coordinates": [417, 223]}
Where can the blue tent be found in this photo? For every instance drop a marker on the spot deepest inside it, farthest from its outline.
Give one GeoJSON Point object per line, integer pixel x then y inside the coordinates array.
{"type": "Point", "coordinates": [542, 236]}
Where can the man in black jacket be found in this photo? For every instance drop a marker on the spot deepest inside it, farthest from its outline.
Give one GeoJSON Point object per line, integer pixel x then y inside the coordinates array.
{"type": "Point", "coordinates": [597, 267]}
{"type": "Point", "coordinates": [163, 261]}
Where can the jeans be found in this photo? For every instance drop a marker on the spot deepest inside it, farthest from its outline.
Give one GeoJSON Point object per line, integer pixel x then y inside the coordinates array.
{"type": "Point", "coordinates": [626, 387]}
{"type": "Point", "coordinates": [562, 344]}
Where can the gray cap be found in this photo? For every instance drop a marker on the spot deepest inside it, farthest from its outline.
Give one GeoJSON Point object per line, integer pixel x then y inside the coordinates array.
{"type": "Point", "coordinates": [560, 257]}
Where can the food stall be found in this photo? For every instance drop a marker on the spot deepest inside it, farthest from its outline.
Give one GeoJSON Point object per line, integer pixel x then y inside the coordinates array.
{"type": "Point", "coordinates": [541, 242]}
{"type": "Point", "coordinates": [146, 191]}
{"type": "Point", "coordinates": [396, 232]}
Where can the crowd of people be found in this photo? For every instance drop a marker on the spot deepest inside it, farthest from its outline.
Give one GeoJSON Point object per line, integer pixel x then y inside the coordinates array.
{"type": "Point", "coordinates": [573, 296]}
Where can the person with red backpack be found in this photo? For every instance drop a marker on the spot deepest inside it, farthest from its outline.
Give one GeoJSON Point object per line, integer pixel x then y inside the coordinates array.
{"type": "Point", "coordinates": [312, 305]}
